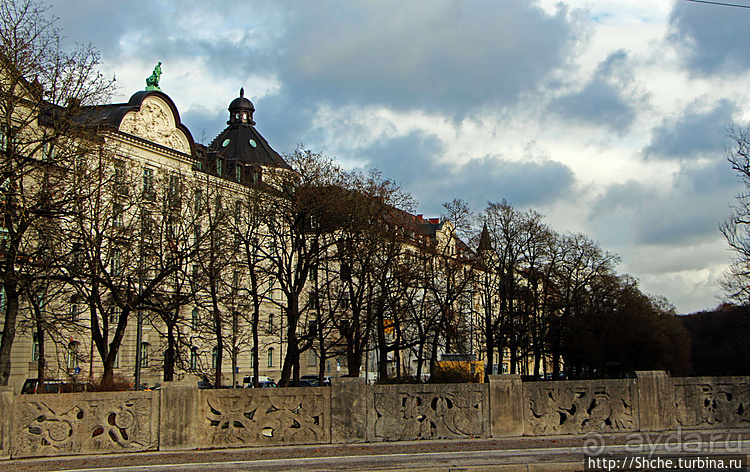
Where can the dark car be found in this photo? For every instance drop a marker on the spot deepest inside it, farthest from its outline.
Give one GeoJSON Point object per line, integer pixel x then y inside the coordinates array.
{"type": "Point", "coordinates": [56, 386]}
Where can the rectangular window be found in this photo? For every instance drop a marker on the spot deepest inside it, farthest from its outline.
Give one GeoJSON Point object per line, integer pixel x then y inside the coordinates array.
{"type": "Point", "coordinates": [148, 184]}
{"type": "Point", "coordinates": [270, 324]}
{"type": "Point", "coordinates": [3, 139]}
{"type": "Point", "coordinates": [197, 234]}
{"type": "Point", "coordinates": [146, 222]}
{"type": "Point", "coordinates": [74, 312]}
{"type": "Point", "coordinates": [117, 215]}
{"type": "Point", "coordinates": [237, 173]}
{"type": "Point", "coordinates": [73, 355]}
{"type": "Point", "coordinates": [170, 227]}
{"type": "Point", "coordinates": [218, 167]}
{"type": "Point", "coordinates": [198, 201]}
{"type": "Point", "coordinates": [144, 354]}
{"type": "Point", "coordinates": [193, 358]}
{"type": "Point", "coordinates": [116, 263]}
{"type": "Point", "coordinates": [114, 315]}
{"type": "Point", "coordinates": [175, 190]}
{"type": "Point", "coordinates": [34, 348]}
{"type": "Point", "coordinates": [270, 357]}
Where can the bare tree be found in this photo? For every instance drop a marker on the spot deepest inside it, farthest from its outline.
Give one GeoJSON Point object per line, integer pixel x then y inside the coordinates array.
{"type": "Point", "coordinates": [736, 228]}
{"type": "Point", "coordinates": [42, 88]}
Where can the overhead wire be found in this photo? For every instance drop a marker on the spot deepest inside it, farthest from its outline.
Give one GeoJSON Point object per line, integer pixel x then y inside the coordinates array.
{"type": "Point", "coordinates": [735, 5]}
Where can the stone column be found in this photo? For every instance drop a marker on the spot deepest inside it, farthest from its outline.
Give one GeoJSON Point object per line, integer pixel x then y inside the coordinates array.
{"type": "Point", "coordinates": [179, 412]}
{"type": "Point", "coordinates": [656, 408]}
{"type": "Point", "coordinates": [6, 420]}
{"type": "Point", "coordinates": [506, 406]}
{"type": "Point", "coordinates": [348, 410]}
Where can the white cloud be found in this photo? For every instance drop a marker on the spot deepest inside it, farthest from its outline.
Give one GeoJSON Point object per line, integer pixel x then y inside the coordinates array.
{"type": "Point", "coordinates": [550, 104]}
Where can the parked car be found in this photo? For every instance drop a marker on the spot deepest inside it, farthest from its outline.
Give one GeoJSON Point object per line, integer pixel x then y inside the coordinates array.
{"type": "Point", "coordinates": [309, 381]}
{"type": "Point", "coordinates": [56, 386]}
{"type": "Point", "coordinates": [247, 382]}
{"type": "Point", "coordinates": [267, 384]}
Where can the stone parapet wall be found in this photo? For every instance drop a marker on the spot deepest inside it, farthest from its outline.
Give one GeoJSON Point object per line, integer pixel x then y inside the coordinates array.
{"type": "Point", "coordinates": [263, 417]}
{"type": "Point", "coordinates": [575, 407]}
{"type": "Point", "coordinates": [429, 411]}
{"type": "Point", "coordinates": [85, 423]}
{"type": "Point", "coordinates": [182, 417]}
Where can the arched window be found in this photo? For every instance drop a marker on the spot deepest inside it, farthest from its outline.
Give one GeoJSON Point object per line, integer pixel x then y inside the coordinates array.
{"type": "Point", "coordinates": [270, 357]}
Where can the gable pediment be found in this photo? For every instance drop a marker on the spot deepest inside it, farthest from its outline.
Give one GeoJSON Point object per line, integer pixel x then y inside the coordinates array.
{"type": "Point", "coordinates": [156, 122]}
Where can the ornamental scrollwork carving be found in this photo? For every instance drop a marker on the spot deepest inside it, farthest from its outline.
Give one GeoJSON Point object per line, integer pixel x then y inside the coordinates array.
{"type": "Point", "coordinates": [153, 122]}
{"type": "Point", "coordinates": [266, 419]}
{"type": "Point", "coordinates": [580, 408]}
{"type": "Point", "coordinates": [417, 414]}
{"type": "Point", "coordinates": [56, 426]}
{"type": "Point", "coordinates": [712, 404]}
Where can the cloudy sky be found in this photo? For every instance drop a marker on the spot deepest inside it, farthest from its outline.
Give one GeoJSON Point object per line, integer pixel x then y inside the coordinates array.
{"type": "Point", "coordinates": [609, 117]}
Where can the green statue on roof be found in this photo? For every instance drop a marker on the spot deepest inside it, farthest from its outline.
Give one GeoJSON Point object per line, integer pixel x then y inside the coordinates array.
{"type": "Point", "coordinates": [152, 82]}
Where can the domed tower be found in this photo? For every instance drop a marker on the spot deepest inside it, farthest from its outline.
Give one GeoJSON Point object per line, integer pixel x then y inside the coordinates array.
{"type": "Point", "coordinates": [240, 153]}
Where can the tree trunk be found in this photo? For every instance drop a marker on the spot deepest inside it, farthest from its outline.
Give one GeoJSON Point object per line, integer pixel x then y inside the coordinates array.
{"type": "Point", "coordinates": [170, 354]}
{"type": "Point", "coordinates": [41, 368]}
{"type": "Point", "coordinates": [9, 331]}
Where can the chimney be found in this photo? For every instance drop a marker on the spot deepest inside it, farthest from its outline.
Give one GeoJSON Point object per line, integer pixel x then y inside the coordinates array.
{"type": "Point", "coordinates": [435, 221]}
{"type": "Point", "coordinates": [419, 217]}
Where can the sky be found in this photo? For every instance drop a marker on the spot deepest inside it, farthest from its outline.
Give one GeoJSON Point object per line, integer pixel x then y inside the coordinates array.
{"type": "Point", "coordinates": [609, 117]}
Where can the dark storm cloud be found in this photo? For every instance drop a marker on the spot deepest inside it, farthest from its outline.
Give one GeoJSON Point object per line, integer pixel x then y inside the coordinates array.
{"type": "Point", "coordinates": [711, 38]}
{"type": "Point", "coordinates": [686, 212]}
{"type": "Point", "coordinates": [411, 160]}
{"type": "Point", "coordinates": [445, 56]}
{"type": "Point", "coordinates": [439, 55]}
{"type": "Point", "coordinates": [607, 99]}
{"type": "Point", "coordinates": [693, 134]}
{"type": "Point", "coordinates": [231, 38]}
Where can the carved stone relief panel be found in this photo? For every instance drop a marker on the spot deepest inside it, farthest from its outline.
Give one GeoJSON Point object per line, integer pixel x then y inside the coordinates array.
{"type": "Point", "coordinates": [405, 412]}
{"type": "Point", "coordinates": [259, 417]}
{"type": "Point", "coordinates": [712, 402]}
{"type": "Point", "coordinates": [580, 407]}
{"type": "Point", "coordinates": [154, 122]}
{"type": "Point", "coordinates": [85, 423]}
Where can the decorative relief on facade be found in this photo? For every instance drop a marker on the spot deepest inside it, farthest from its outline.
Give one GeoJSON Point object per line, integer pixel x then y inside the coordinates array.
{"type": "Point", "coordinates": [51, 425]}
{"type": "Point", "coordinates": [154, 122]}
{"type": "Point", "coordinates": [422, 413]}
{"type": "Point", "coordinates": [580, 407]}
{"type": "Point", "coordinates": [250, 418]}
{"type": "Point", "coordinates": [712, 403]}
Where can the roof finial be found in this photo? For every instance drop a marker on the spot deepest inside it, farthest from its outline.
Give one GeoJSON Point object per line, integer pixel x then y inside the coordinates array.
{"type": "Point", "coordinates": [242, 91]}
